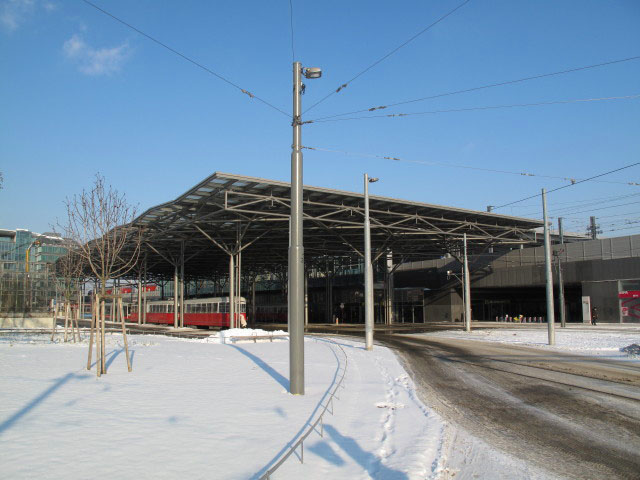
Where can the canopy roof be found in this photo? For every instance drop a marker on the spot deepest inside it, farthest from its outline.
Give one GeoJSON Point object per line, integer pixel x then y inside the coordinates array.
{"type": "Point", "coordinates": [227, 213]}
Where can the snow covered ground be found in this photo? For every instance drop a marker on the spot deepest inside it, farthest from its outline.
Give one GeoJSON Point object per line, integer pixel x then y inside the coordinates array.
{"type": "Point", "coordinates": [603, 341]}
{"type": "Point", "coordinates": [203, 409]}
{"type": "Point", "coordinates": [215, 408]}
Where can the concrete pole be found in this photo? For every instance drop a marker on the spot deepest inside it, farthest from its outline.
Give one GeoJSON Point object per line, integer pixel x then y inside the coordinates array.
{"type": "Point", "coordinates": [140, 296]}
{"type": "Point", "coordinates": [175, 296]}
{"type": "Point", "coordinates": [563, 322]}
{"type": "Point", "coordinates": [296, 248]}
{"type": "Point", "coordinates": [232, 282]}
{"type": "Point", "coordinates": [368, 271]}
{"type": "Point", "coordinates": [467, 288]}
{"type": "Point", "coordinates": [548, 275]}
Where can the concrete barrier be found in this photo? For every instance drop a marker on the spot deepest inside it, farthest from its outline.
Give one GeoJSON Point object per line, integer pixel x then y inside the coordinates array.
{"type": "Point", "coordinates": [21, 322]}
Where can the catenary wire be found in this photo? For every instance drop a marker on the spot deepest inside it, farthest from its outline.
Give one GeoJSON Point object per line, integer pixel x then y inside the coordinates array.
{"type": "Point", "coordinates": [183, 56]}
{"type": "Point", "coordinates": [491, 85]}
{"type": "Point", "coordinates": [471, 109]}
{"type": "Point", "coordinates": [451, 165]}
{"type": "Point", "coordinates": [384, 57]}
{"type": "Point", "coordinates": [293, 50]}
{"type": "Point", "coordinates": [570, 185]}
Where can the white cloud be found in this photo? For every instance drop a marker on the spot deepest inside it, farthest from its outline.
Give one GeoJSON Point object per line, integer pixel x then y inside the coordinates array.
{"type": "Point", "coordinates": [91, 61]}
{"type": "Point", "coordinates": [14, 12]}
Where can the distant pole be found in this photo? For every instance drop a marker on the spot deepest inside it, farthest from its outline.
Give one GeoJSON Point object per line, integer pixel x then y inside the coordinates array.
{"type": "Point", "coordinates": [548, 275]}
{"type": "Point", "coordinates": [368, 271]}
{"type": "Point", "coordinates": [560, 282]}
{"type": "Point", "coordinates": [593, 228]}
{"type": "Point", "coordinates": [467, 288]}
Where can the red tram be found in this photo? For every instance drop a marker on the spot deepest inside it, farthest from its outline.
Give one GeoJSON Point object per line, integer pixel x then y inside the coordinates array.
{"type": "Point", "coordinates": [206, 312]}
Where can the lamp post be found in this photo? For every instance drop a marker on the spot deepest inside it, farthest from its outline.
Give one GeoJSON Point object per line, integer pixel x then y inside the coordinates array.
{"type": "Point", "coordinates": [296, 249]}
{"type": "Point", "coordinates": [368, 271]}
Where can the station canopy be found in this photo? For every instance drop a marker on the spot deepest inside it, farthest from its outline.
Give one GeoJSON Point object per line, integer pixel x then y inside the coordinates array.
{"type": "Point", "coordinates": [226, 214]}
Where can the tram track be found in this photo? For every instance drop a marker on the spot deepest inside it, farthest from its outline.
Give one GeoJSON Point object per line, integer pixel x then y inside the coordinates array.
{"type": "Point", "coordinates": [574, 416]}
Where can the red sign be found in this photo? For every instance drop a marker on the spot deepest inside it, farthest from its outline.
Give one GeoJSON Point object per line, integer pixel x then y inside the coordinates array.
{"type": "Point", "coordinates": [125, 290]}
{"type": "Point", "coordinates": [150, 288]}
{"type": "Point", "coordinates": [629, 294]}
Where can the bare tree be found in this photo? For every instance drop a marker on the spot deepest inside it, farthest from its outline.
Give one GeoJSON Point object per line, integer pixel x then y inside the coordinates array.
{"type": "Point", "coordinates": [99, 222]}
{"type": "Point", "coordinates": [69, 276]}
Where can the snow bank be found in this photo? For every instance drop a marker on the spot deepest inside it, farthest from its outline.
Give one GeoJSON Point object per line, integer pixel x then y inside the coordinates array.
{"type": "Point", "coordinates": [233, 335]}
{"type": "Point", "coordinates": [596, 341]}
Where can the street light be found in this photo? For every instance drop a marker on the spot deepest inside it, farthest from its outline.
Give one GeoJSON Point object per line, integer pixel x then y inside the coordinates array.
{"type": "Point", "coordinates": [296, 249]}
{"type": "Point", "coordinates": [368, 271]}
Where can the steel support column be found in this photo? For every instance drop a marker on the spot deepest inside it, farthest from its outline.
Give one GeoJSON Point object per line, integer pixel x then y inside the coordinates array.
{"type": "Point", "coordinates": [175, 296]}
{"type": "Point", "coordinates": [232, 309]}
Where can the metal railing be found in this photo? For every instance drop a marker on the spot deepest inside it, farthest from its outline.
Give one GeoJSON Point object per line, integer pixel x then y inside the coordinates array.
{"type": "Point", "coordinates": [313, 426]}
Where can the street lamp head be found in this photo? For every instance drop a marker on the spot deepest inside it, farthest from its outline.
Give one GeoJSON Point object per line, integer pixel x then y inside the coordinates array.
{"type": "Point", "coordinates": [373, 179]}
{"type": "Point", "coordinates": [312, 72]}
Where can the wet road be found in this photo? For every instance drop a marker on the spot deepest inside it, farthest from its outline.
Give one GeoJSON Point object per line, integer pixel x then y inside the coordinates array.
{"type": "Point", "coordinates": [574, 416]}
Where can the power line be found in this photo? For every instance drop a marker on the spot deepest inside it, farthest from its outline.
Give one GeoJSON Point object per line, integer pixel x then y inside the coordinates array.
{"type": "Point", "coordinates": [293, 50]}
{"type": "Point", "coordinates": [344, 85]}
{"type": "Point", "coordinates": [603, 208]}
{"type": "Point", "coordinates": [183, 56]}
{"type": "Point", "coordinates": [581, 204]}
{"type": "Point", "coordinates": [471, 109]}
{"type": "Point", "coordinates": [570, 185]}
{"type": "Point", "coordinates": [452, 165]}
{"type": "Point", "coordinates": [616, 197]}
{"type": "Point", "coordinates": [491, 85]}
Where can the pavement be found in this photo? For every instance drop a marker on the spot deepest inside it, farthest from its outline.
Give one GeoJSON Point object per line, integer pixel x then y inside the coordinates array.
{"type": "Point", "coordinates": [570, 415]}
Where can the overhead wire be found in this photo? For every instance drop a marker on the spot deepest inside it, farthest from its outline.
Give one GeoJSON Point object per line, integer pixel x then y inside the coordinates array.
{"type": "Point", "coordinates": [471, 109]}
{"type": "Point", "coordinates": [452, 165]}
{"type": "Point", "coordinates": [482, 87]}
{"type": "Point", "coordinates": [570, 185]}
{"type": "Point", "coordinates": [185, 57]}
{"type": "Point", "coordinates": [384, 57]}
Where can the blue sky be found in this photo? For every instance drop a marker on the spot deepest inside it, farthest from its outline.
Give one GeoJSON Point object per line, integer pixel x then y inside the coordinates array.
{"type": "Point", "coordinates": [81, 93]}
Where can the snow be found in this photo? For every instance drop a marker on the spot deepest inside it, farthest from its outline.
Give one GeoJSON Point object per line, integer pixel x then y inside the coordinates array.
{"type": "Point", "coordinates": [605, 342]}
{"type": "Point", "coordinates": [199, 408]}
{"type": "Point", "coordinates": [210, 408]}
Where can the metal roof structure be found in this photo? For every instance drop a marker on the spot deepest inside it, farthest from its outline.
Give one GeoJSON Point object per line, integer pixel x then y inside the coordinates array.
{"type": "Point", "coordinates": [226, 214]}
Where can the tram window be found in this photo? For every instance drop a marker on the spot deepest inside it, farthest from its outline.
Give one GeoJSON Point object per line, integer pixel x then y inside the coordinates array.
{"type": "Point", "coordinates": [214, 308]}
{"type": "Point", "coordinates": [243, 307]}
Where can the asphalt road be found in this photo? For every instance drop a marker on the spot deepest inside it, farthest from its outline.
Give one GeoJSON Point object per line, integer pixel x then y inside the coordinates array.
{"type": "Point", "coordinates": [574, 416]}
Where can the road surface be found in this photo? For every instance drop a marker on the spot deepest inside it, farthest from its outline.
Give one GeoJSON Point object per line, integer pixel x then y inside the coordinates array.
{"type": "Point", "coordinates": [573, 416]}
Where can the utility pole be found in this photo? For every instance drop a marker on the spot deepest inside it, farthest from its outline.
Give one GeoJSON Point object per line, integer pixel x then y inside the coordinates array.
{"type": "Point", "coordinates": [548, 275]}
{"type": "Point", "coordinates": [296, 248]}
{"type": "Point", "coordinates": [368, 270]}
{"type": "Point", "coordinates": [593, 228]}
{"type": "Point", "coordinates": [563, 322]}
{"type": "Point", "coordinates": [467, 288]}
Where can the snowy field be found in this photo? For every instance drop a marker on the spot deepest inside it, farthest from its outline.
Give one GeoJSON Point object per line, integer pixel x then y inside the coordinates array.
{"type": "Point", "coordinates": [604, 341]}
{"type": "Point", "coordinates": [205, 409]}
{"type": "Point", "coordinates": [216, 409]}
